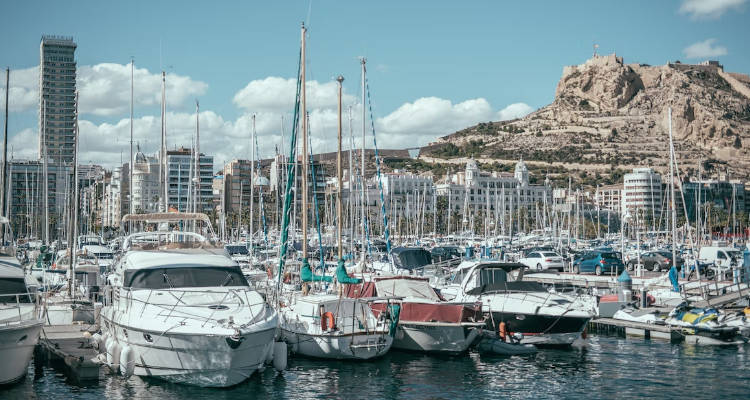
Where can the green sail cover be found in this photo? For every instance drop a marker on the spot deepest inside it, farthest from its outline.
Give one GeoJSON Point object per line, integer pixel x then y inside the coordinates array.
{"type": "Point", "coordinates": [395, 313]}
{"type": "Point", "coordinates": [307, 275]}
{"type": "Point", "coordinates": [343, 277]}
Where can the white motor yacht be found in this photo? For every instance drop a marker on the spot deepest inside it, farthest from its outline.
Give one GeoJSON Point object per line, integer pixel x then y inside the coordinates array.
{"type": "Point", "coordinates": [527, 309]}
{"type": "Point", "coordinates": [179, 309]}
{"type": "Point", "coordinates": [19, 326]}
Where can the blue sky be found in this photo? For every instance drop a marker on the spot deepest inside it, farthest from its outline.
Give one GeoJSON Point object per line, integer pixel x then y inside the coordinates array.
{"type": "Point", "coordinates": [433, 66]}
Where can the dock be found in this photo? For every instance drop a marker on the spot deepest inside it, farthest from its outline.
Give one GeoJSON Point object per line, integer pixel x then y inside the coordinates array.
{"type": "Point", "coordinates": [618, 327]}
{"type": "Point", "coordinates": [68, 344]}
{"type": "Point", "coordinates": [700, 293]}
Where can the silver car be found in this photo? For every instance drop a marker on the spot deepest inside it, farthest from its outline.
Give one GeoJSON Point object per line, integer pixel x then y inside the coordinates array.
{"type": "Point", "coordinates": [540, 260]}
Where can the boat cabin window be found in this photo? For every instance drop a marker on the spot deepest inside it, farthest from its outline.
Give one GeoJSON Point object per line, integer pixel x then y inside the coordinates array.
{"type": "Point", "coordinates": [10, 287]}
{"type": "Point", "coordinates": [184, 277]}
{"type": "Point", "coordinates": [233, 250]}
{"type": "Point", "coordinates": [492, 275]}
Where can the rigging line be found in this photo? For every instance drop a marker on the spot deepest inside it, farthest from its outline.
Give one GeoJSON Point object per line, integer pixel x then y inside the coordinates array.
{"type": "Point", "coordinates": [380, 178]}
{"type": "Point", "coordinates": [315, 201]}
{"type": "Point", "coordinates": [290, 177]}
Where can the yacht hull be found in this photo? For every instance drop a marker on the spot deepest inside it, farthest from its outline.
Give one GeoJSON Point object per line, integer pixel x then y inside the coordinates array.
{"type": "Point", "coordinates": [356, 346]}
{"type": "Point", "coordinates": [540, 329]}
{"type": "Point", "coordinates": [17, 341]}
{"type": "Point", "coordinates": [434, 337]}
{"type": "Point", "coordinates": [197, 359]}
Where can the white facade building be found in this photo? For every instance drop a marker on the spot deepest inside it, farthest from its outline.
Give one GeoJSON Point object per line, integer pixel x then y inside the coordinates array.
{"type": "Point", "coordinates": [179, 165]}
{"type": "Point", "coordinates": [641, 191]}
{"type": "Point", "coordinates": [145, 185]}
{"type": "Point", "coordinates": [112, 214]}
{"type": "Point", "coordinates": [483, 191]}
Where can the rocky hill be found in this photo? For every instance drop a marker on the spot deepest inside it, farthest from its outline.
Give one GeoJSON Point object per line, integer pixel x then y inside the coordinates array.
{"type": "Point", "coordinates": [608, 115]}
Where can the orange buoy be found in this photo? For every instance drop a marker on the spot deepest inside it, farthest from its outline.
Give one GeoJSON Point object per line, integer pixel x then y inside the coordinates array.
{"type": "Point", "coordinates": [502, 331]}
{"type": "Point", "coordinates": [327, 321]}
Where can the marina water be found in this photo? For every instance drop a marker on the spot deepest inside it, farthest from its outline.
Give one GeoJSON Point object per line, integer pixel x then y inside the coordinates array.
{"type": "Point", "coordinates": [607, 367]}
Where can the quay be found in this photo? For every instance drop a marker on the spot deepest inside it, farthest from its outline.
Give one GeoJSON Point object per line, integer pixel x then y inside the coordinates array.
{"type": "Point", "coordinates": [70, 345]}
{"type": "Point", "coordinates": [706, 293]}
{"type": "Point", "coordinates": [622, 328]}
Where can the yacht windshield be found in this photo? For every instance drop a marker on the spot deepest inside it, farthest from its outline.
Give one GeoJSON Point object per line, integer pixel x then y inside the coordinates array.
{"type": "Point", "coordinates": [489, 276]}
{"type": "Point", "coordinates": [10, 287]}
{"type": "Point", "coordinates": [184, 277]}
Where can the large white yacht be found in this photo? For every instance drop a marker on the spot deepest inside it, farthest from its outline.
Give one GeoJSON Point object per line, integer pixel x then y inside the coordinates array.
{"type": "Point", "coordinates": [19, 326]}
{"type": "Point", "coordinates": [179, 309]}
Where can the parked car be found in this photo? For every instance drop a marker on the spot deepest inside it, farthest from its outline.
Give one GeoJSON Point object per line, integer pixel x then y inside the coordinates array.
{"type": "Point", "coordinates": [722, 257]}
{"type": "Point", "coordinates": [598, 262]}
{"type": "Point", "coordinates": [442, 253]}
{"type": "Point", "coordinates": [543, 260]}
{"type": "Point", "coordinates": [660, 260]}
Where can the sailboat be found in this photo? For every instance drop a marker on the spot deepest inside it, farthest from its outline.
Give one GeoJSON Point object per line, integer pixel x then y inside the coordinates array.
{"type": "Point", "coordinates": [70, 304]}
{"type": "Point", "coordinates": [324, 325]}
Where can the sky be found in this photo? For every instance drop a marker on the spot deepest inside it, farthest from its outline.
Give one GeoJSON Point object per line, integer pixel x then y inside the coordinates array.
{"type": "Point", "coordinates": [433, 67]}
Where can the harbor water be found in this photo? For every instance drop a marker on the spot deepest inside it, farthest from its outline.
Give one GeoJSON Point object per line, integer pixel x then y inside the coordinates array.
{"type": "Point", "coordinates": [606, 367]}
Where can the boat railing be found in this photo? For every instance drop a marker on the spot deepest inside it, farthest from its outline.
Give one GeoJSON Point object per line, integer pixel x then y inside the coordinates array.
{"type": "Point", "coordinates": [123, 298]}
{"type": "Point", "coordinates": [18, 296]}
{"type": "Point", "coordinates": [709, 290]}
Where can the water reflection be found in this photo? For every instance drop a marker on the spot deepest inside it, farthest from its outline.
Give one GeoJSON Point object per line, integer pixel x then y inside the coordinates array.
{"type": "Point", "coordinates": [606, 367]}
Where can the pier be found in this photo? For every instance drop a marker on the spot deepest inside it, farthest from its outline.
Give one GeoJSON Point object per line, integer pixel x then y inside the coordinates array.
{"type": "Point", "coordinates": [622, 328]}
{"type": "Point", "coordinates": [70, 344]}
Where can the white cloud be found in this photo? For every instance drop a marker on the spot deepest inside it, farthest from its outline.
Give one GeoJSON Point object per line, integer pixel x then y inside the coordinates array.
{"type": "Point", "coordinates": [104, 89]}
{"type": "Point", "coordinates": [709, 9]}
{"type": "Point", "coordinates": [24, 144]}
{"type": "Point", "coordinates": [277, 94]}
{"type": "Point", "coordinates": [705, 49]}
{"type": "Point", "coordinates": [24, 89]}
{"type": "Point", "coordinates": [513, 111]}
{"type": "Point", "coordinates": [427, 118]}
{"type": "Point", "coordinates": [105, 92]}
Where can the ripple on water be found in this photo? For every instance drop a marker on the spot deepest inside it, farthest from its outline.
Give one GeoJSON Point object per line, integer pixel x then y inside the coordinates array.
{"type": "Point", "coordinates": [606, 367]}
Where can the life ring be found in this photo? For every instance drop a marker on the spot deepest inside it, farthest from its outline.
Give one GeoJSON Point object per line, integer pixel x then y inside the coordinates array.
{"type": "Point", "coordinates": [327, 321]}
{"type": "Point", "coordinates": [502, 332]}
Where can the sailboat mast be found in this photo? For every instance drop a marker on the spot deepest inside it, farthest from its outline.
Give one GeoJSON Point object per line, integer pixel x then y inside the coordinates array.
{"type": "Point", "coordinates": [364, 182]}
{"type": "Point", "coordinates": [197, 150]}
{"type": "Point", "coordinates": [252, 183]}
{"type": "Point", "coordinates": [130, 163]}
{"type": "Point", "coordinates": [163, 161]}
{"type": "Point", "coordinates": [351, 183]}
{"type": "Point", "coordinates": [303, 115]}
{"type": "Point", "coordinates": [74, 238]}
{"type": "Point", "coordinates": [339, 214]}
{"type": "Point", "coordinates": [5, 143]}
{"type": "Point", "coordinates": [671, 191]}
{"type": "Point", "coordinates": [46, 177]}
